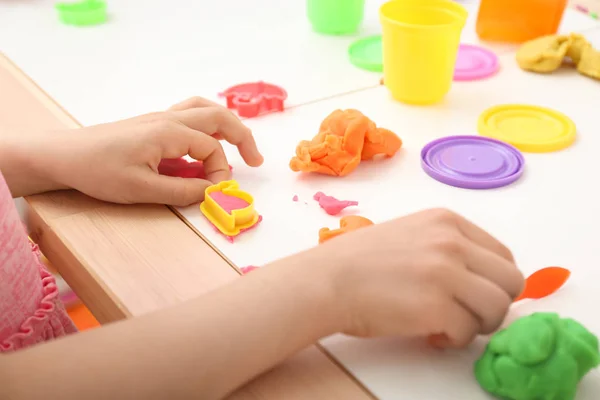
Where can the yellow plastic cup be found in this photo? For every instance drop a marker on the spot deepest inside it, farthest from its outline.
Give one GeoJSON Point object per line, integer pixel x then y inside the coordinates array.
{"type": "Point", "coordinates": [420, 45]}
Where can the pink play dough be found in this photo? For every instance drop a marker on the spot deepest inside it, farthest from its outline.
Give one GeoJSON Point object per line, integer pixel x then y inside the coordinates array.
{"type": "Point", "coordinates": [230, 238]}
{"type": "Point", "coordinates": [295, 198]}
{"type": "Point", "coordinates": [182, 168]}
{"type": "Point", "coordinates": [247, 269]}
{"type": "Point", "coordinates": [228, 203]}
{"type": "Point", "coordinates": [331, 205]}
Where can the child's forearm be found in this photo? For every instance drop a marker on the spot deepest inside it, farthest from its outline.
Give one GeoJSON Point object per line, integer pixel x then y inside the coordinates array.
{"type": "Point", "coordinates": [204, 348]}
{"type": "Point", "coordinates": [22, 163]}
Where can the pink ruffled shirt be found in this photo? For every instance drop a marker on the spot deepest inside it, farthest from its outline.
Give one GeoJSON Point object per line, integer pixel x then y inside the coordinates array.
{"type": "Point", "coordinates": [30, 309]}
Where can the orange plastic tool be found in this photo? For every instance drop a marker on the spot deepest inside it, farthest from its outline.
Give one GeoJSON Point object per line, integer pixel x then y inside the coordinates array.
{"type": "Point", "coordinates": [544, 282]}
{"type": "Point", "coordinates": [347, 224]}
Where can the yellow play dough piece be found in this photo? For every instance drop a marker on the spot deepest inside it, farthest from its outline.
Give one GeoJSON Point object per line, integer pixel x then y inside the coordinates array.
{"type": "Point", "coordinates": [578, 44]}
{"type": "Point", "coordinates": [544, 54]}
{"type": "Point", "coordinates": [589, 64]}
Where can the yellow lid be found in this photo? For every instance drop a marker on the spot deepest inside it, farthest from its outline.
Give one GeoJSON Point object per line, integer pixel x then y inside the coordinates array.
{"type": "Point", "coordinates": [529, 128]}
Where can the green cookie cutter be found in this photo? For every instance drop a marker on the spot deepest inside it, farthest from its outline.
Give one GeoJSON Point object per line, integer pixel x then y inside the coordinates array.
{"type": "Point", "coordinates": [82, 13]}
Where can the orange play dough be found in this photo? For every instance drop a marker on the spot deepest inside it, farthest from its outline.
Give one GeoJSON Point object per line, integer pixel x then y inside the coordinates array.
{"type": "Point", "coordinates": [83, 318]}
{"type": "Point", "coordinates": [347, 224]}
{"type": "Point", "coordinates": [345, 139]}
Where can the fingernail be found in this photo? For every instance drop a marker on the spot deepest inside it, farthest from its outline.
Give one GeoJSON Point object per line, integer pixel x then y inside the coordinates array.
{"type": "Point", "coordinates": [439, 341]}
{"type": "Point", "coordinates": [259, 159]}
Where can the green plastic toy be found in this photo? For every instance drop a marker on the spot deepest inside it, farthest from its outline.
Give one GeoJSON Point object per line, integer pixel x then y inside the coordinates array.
{"type": "Point", "coordinates": [83, 13]}
{"type": "Point", "coordinates": [335, 17]}
{"type": "Point", "coordinates": [539, 357]}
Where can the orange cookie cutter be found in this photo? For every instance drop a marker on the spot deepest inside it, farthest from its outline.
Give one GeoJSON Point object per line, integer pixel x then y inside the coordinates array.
{"type": "Point", "coordinates": [229, 224]}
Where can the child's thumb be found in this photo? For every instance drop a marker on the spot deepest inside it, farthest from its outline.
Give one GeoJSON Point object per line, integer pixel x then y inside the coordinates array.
{"type": "Point", "coordinates": [175, 191]}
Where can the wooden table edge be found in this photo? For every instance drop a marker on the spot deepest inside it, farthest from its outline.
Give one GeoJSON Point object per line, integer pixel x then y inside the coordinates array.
{"type": "Point", "coordinates": [311, 374]}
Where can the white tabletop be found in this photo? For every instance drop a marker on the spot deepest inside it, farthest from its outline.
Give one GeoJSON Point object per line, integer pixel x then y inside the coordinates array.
{"type": "Point", "coordinates": [151, 55]}
{"type": "Point", "coordinates": [549, 217]}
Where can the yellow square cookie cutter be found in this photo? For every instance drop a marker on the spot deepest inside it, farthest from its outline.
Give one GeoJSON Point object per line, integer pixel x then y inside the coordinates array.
{"type": "Point", "coordinates": [230, 224]}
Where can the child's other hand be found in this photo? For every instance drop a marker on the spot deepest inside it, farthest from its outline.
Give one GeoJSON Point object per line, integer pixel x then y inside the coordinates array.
{"type": "Point", "coordinates": [425, 274]}
{"type": "Point", "coordinates": [118, 161]}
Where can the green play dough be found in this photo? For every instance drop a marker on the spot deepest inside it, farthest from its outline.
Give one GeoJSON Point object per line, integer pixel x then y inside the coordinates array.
{"type": "Point", "coordinates": [538, 357]}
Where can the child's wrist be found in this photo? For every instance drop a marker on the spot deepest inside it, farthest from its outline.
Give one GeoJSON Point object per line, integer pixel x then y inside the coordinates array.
{"type": "Point", "coordinates": [313, 277]}
{"type": "Point", "coordinates": [25, 162]}
{"type": "Point", "coordinates": [46, 163]}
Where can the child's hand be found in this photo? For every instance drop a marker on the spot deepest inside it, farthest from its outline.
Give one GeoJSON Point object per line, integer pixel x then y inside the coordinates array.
{"type": "Point", "coordinates": [425, 274]}
{"type": "Point", "coordinates": [118, 161]}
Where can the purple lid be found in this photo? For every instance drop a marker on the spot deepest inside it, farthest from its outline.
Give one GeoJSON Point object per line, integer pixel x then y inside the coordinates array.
{"type": "Point", "coordinates": [472, 162]}
{"type": "Point", "coordinates": [474, 62]}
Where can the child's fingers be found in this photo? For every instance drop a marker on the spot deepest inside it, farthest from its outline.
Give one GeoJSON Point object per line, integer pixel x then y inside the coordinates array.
{"type": "Point", "coordinates": [174, 191]}
{"type": "Point", "coordinates": [194, 102]}
{"type": "Point", "coordinates": [494, 268]}
{"type": "Point", "coordinates": [208, 150]}
{"type": "Point", "coordinates": [178, 140]}
{"type": "Point", "coordinates": [460, 329]}
{"type": "Point", "coordinates": [218, 120]}
{"type": "Point", "coordinates": [439, 341]}
{"type": "Point", "coordinates": [197, 102]}
{"type": "Point", "coordinates": [484, 239]}
{"type": "Point", "coordinates": [483, 298]}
